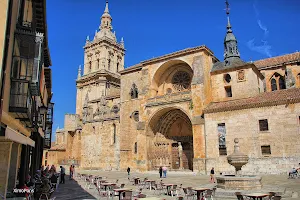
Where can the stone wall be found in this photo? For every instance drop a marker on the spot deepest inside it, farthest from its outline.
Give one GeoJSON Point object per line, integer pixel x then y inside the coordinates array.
{"type": "Point", "coordinates": [99, 150]}
{"type": "Point", "coordinates": [249, 86]}
{"type": "Point", "coordinates": [282, 137]}
{"type": "Point", "coordinates": [5, 154]}
{"type": "Point", "coordinates": [13, 170]}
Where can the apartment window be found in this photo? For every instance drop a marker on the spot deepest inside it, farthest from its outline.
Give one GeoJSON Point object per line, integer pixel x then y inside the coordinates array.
{"type": "Point", "coordinates": [266, 150]}
{"type": "Point", "coordinates": [222, 139]}
{"type": "Point", "coordinates": [228, 91]}
{"type": "Point", "coordinates": [135, 148]}
{"type": "Point", "coordinates": [263, 125]}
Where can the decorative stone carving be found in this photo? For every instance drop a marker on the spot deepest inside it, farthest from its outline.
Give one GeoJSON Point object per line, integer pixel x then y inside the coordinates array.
{"type": "Point", "coordinates": [241, 75]}
{"type": "Point", "coordinates": [181, 80]}
{"type": "Point", "coordinates": [102, 109]}
{"type": "Point", "coordinates": [237, 159]}
{"type": "Point", "coordinates": [86, 100]}
{"type": "Point", "coordinates": [290, 79]}
{"type": "Point", "coordinates": [115, 109]}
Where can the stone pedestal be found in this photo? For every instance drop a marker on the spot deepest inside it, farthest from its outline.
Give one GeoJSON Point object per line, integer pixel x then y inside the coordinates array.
{"type": "Point", "coordinates": [239, 182]}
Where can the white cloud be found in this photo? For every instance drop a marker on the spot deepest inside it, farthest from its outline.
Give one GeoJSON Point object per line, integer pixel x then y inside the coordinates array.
{"type": "Point", "coordinates": [263, 47]}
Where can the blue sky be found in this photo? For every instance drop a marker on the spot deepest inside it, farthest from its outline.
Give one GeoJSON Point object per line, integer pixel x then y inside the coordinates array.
{"type": "Point", "coordinates": [155, 27]}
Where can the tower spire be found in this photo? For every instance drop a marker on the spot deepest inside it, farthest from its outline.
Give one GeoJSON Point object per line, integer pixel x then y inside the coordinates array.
{"type": "Point", "coordinates": [106, 19]}
{"type": "Point", "coordinates": [106, 7]}
{"type": "Point", "coordinates": [230, 42]}
{"type": "Point", "coordinates": [79, 72]}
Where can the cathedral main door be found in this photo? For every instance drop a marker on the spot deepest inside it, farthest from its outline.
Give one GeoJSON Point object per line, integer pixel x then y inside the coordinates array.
{"type": "Point", "coordinates": [171, 143]}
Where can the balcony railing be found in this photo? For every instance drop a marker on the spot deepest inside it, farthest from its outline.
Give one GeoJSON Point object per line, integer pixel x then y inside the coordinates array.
{"type": "Point", "coordinates": [48, 135]}
{"type": "Point", "coordinates": [28, 54]}
{"type": "Point", "coordinates": [21, 103]}
{"type": "Point", "coordinates": [49, 118]}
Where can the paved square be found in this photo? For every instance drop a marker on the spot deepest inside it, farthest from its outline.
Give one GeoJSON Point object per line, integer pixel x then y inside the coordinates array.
{"type": "Point", "coordinates": [76, 189]}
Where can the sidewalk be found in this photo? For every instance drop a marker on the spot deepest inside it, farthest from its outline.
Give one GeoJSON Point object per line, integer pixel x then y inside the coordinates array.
{"type": "Point", "coordinates": [71, 190]}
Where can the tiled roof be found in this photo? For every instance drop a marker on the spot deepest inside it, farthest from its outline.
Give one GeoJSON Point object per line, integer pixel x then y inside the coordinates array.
{"type": "Point", "coordinates": [58, 147]}
{"type": "Point", "coordinates": [278, 60]}
{"type": "Point", "coordinates": [274, 98]}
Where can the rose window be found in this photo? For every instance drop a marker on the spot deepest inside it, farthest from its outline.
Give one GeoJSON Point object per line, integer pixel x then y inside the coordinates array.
{"type": "Point", "coordinates": [181, 81]}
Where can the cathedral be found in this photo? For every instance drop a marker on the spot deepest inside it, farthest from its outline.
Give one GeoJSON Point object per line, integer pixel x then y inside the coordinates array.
{"type": "Point", "coordinates": [182, 110]}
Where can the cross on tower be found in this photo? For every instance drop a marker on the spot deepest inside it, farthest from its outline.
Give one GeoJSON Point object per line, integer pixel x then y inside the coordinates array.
{"type": "Point", "coordinates": [227, 7]}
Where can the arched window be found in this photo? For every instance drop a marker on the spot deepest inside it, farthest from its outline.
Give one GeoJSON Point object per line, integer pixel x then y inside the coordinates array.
{"type": "Point", "coordinates": [114, 134]}
{"type": "Point", "coordinates": [108, 66]}
{"type": "Point", "coordinates": [135, 148]}
{"type": "Point", "coordinates": [281, 83]}
{"type": "Point", "coordinates": [90, 66]}
{"type": "Point", "coordinates": [273, 84]}
{"type": "Point", "coordinates": [134, 92]}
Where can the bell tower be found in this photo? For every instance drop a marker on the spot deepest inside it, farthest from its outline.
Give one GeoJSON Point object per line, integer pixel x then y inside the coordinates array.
{"type": "Point", "coordinates": [103, 59]}
{"type": "Point", "coordinates": [104, 52]}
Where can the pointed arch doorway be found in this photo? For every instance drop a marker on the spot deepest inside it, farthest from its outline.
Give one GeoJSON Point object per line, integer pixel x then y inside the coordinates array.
{"type": "Point", "coordinates": [170, 140]}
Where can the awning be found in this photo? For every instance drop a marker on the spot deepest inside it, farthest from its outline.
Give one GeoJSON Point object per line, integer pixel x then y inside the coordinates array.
{"type": "Point", "coordinates": [13, 135]}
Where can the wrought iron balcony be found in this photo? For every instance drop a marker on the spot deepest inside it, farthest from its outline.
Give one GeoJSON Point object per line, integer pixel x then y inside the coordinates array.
{"type": "Point", "coordinates": [21, 103]}
{"type": "Point", "coordinates": [28, 54]}
{"type": "Point", "coordinates": [49, 118]}
{"type": "Point", "coordinates": [48, 135]}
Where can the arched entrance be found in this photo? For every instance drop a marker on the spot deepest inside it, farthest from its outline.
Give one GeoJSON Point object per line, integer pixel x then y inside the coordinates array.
{"type": "Point", "coordinates": [170, 139]}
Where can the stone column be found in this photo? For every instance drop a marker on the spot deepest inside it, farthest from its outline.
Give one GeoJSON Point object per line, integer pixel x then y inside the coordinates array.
{"type": "Point", "coordinates": [22, 171]}
{"type": "Point", "coordinates": [13, 167]}
{"type": "Point", "coordinates": [180, 155]}
{"type": "Point", "coordinates": [5, 151]}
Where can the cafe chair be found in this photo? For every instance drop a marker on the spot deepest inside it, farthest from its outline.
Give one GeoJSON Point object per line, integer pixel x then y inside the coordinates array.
{"type": "Point", "coordinates": [276, 198]}
{"type": "Point", "coordinates": [208, 194]}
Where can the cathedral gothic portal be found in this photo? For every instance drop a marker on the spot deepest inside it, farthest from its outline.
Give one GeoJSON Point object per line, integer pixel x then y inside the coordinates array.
{"type": "Point", "coordinates": [181, 110]}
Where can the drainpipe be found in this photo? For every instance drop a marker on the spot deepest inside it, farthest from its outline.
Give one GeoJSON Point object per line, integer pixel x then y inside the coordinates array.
{"type": "Point", "coordinates": [5, 54]}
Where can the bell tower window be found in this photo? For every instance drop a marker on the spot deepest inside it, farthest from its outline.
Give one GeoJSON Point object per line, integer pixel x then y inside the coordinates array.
{"type": "Point", "coordinates": [108, 66]}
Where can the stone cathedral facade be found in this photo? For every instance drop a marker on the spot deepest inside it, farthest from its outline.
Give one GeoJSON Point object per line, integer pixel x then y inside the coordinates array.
{"type": "Point", "coordinates": [181, 110]}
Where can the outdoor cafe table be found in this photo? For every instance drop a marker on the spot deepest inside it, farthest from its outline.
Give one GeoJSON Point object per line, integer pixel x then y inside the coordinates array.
{"type": "Point", "coordinates": [168, 187]}
{"type": "Point", "coordinates": [121, 190]}
{"type": "Point", "coordinates": [107, 184]}
{"type": "Point", "coordinates": [136, 180]}
{"type": "Point", "coordinates": [150, 183]}
{"type": "Point", "coordinates": [199, 192]}
{"type": "Point", "coordinates": [257, 195]}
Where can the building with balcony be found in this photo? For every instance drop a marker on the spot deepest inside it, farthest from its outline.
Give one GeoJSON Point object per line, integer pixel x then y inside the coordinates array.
{"type": "Point", "coordinates": [26, 109]}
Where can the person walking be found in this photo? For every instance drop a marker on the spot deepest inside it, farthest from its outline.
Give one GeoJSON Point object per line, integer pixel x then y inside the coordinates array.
{"type": "Point", "coordinates": [71, 172]}
{"type": "Point", "coordinates": [212, 175]}
{"type": "Point", "coordinates": [128, 171]}
{"type": "Point", "coordinates": [62, 174]}
{"type": "Point", "coordinates": [164, 169]}
{"type": "Point", "coordinates": [160, 171]}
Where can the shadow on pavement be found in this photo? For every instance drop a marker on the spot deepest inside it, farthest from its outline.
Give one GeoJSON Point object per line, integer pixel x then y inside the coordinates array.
{"type": "Point", "coordinates": [71, 190]}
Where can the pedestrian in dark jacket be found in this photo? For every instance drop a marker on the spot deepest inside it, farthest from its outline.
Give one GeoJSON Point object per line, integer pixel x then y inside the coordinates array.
{"type": "Point", "coordinates": [160, 172]}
